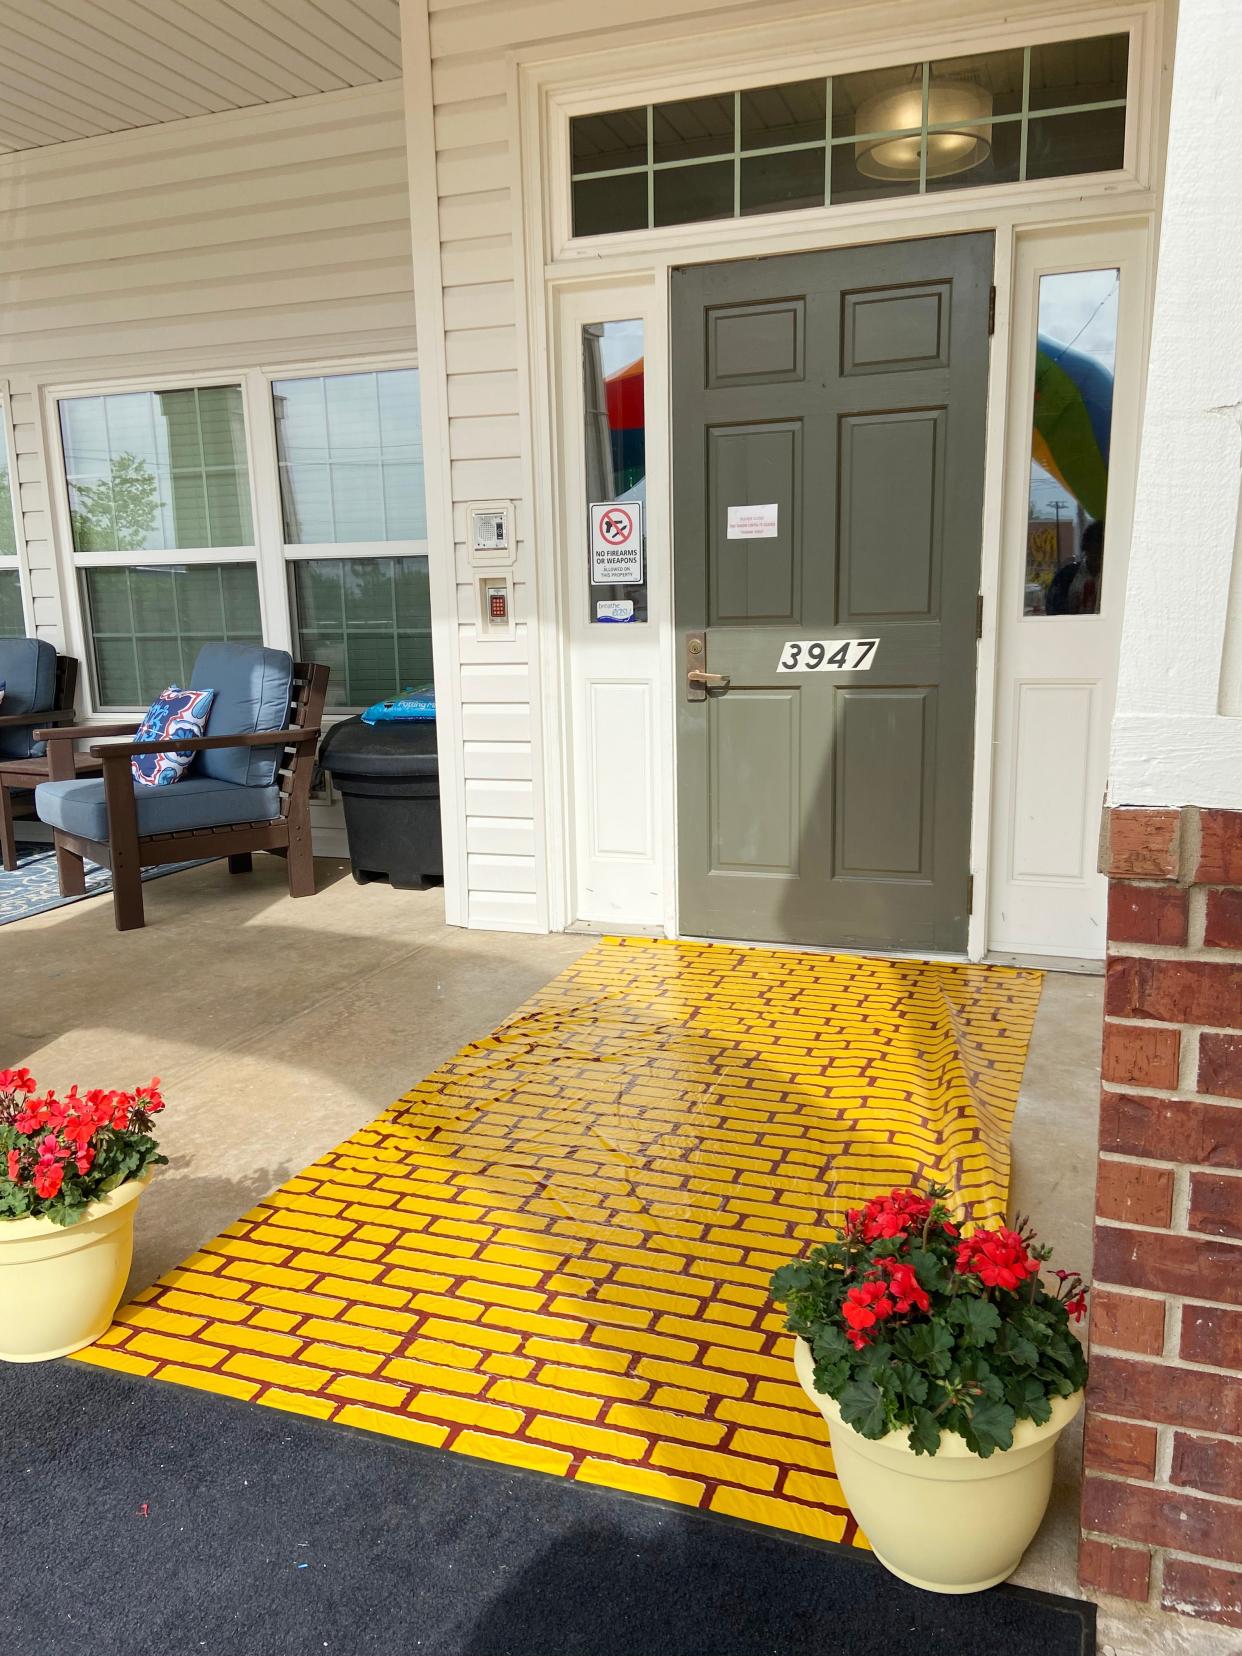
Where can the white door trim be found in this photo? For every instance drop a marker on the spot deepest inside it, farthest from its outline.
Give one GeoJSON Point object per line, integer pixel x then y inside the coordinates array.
{"type": "Point", "coordinates": [542, 95]}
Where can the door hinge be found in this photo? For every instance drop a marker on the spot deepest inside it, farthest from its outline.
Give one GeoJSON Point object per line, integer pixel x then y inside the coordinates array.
{"type": "Point", "coordinates": [970, 894]}
{"type": "Point", "coordinates": [991, 310]}
{"type": "Point", "coordinates": [978, 617]}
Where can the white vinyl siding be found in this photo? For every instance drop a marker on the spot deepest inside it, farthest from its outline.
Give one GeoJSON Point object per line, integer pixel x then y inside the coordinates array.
{"type": "Point", "coordinates": [275, 235]}
{"type": "Point", "coordinates": [480, 239]}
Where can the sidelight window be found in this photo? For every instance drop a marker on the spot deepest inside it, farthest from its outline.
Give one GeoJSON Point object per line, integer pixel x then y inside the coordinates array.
{"type": "Point", "coordinates": [1071, 428]}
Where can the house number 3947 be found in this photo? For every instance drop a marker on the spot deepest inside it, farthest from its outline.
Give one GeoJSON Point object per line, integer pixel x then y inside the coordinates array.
{"type": "Point", "coordinates": [827, 655]}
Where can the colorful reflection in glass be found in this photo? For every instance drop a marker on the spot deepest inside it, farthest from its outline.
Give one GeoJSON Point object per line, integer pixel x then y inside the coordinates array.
{"type": "Point", "coordinates": [1070, 433]}
{"type": "Point", "coordinates": [616, 446]}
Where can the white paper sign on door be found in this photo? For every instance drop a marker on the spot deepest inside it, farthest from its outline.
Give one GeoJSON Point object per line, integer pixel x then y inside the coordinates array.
{"type": "Point", "coordinates": [616, 542]}
{"type": "Point", "coordinates": [752, 522]}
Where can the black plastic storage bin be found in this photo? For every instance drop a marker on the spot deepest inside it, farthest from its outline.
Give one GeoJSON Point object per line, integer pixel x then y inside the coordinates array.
{"type": "Point", "coordinates": [389, 778]}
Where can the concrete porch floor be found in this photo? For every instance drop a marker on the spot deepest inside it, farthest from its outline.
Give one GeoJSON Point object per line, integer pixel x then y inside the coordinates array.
{"type": "Point", "coordinates": [278, 1028]}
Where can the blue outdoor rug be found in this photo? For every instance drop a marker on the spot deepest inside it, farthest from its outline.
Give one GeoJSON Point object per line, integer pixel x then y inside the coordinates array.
{"type": "Point", "coordinates": [32, 888]}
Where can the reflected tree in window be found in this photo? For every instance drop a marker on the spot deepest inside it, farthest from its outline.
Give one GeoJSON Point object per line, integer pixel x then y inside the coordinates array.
{"type": "Point", "coordinates": [118, 513]}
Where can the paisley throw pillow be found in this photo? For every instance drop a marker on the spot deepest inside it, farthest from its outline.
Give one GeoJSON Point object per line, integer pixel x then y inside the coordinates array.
{"type": "Point", "coordinates": [175, 713]}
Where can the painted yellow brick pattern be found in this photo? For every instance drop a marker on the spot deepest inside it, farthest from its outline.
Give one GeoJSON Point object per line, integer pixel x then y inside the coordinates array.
{"type": "Point", "coordinates": [554, 1252]}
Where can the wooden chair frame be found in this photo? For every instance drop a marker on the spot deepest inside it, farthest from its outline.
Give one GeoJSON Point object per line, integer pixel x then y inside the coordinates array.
{"type": "Point", "coordinates": [127, 853]}
{"type": "Point", "coordinates": [24, 775]}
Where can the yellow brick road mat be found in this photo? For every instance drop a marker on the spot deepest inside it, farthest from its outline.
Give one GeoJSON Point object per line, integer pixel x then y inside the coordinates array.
{"type": "Point", "coordinates": [554, 1252]}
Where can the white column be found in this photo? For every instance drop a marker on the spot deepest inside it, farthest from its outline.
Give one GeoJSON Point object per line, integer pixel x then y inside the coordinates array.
{"type": "Point", "coordinates": [1177, 732]}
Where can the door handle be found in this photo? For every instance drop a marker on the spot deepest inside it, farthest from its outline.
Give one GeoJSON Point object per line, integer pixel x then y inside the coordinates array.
{"type": "Point", "coordinates": [699, 682]}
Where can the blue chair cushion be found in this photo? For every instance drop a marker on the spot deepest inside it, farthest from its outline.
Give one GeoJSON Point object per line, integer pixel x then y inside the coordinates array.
{"type": "Point", "coordinates": [196, 802]}
{"type": "Point", "coordinates": [173, 713]}
{"type": "Point", "coordinates": [253, 686]}
{"type": "Point", "coordinates": [28, 673]}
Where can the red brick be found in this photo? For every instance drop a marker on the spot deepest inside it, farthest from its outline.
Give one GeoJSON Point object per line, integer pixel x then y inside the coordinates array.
{"type": "Point", "coordinates": [1223, 927]}
{"type": "Point", "coordinates": [1220, 848]}
{"type": "Point", "coordinates": [1212, 1334]}
{"type": "Point", "coordinates": [1220, 1066]}
{"type": "Point", "coordinates": [1199, 1590]}
{"type": "Point", "coordinates": [1147, 913]}
{"type": "Point", "coordinates": [1216, 1204]}
{"type": "Point", "coordinates": [1135, 1192]}
{"type": "Point", "coordinates": [1120, 1446]}
{"type": "Point", "coordinates": [1200, 1267]}
{"type": "Point", "coordinates": [1124, 1572]}
{"type": "Point", "coordinates": [1138, 1057]}
{"type": "Point", "coordinates": [1156, 1517]}
{"type": "Point", "coordinates": [1175, 991]}
{"type": "Point", "coordinates": [1127, 1322]}
{"type": "Point", "coordinates": [1168, 1395]}
{"type": "Point", "coordinates": [1211, 1465]}
{"type": "Point", "coordinates": [1142, 843]}
{"type": "Point", "coordinates": [1171, 1129]}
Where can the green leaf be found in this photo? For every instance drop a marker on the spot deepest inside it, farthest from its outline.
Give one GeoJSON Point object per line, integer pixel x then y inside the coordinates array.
{"type": "Point", "coordinates": [924, 1433]}
{"type": "Point", "coordinates": [1023, 1352]}
{"type": "Point", "coordinates": [990, 1428]}
{"type": "Point", "coordinates": [913, 1385]}
{"type": "Point", "coordinates": [862, 1407]}
{"type": "Point", "coordinates": [792, 1279]}
{"type": "Point", "coordinates": [1029, 1398]}
{"type": "Point", "coordinates": [930, 1345]}
{"type": "Point", "coordinates": [828, 1344]}
{"type": "Point", "coordinates": [979, 1319]}
{"type": "Point", "coordinates": [830, 1377]}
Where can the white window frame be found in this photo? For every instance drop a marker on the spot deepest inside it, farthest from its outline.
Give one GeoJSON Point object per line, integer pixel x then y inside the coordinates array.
{"type": "Point", "coordinates": [332, 551]}
{"type": "Point", "coordinates": [267, 551]}
{"type": "Point", "coordinates": [850, 47]}
{"type": "Point", "coordinates": [17, 564]}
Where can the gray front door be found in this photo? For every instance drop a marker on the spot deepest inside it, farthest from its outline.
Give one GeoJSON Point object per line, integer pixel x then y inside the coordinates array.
{"type": "Point", "coordinates": [828, 437]}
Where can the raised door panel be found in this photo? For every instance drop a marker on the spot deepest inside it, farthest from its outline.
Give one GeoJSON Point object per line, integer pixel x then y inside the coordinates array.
{"type": "Point", "coordinates": [754, 579]}
{"type": "Point", "coordinates": [884, 781]}
{"type": "Point", "coordinates": [755, 782]}
{"type": "Point", "coordinates": [891, 508]}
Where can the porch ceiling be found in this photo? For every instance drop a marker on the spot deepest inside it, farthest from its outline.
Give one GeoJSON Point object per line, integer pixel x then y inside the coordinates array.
{"type": "Point", "coordinates": [78, 68]}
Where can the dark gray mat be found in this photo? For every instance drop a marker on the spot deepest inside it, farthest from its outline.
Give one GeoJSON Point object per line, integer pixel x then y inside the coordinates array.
{"type": "Point", "coordinates": [140, 1518]}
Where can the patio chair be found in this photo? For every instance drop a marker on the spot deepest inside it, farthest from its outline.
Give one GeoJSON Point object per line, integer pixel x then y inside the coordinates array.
{"type": "Point", "coordinates": [247, 788]}
{"type": "Point", "coordinates": [39, 690]}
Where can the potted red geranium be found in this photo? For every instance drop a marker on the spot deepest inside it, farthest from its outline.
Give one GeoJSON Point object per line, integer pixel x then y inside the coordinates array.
{"type": "Point", "coordinates": [71, 1172]}
{"type": "Point", "coordinates": [946, 1369]}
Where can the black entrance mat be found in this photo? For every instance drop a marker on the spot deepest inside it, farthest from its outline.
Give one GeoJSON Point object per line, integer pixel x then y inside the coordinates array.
{"type": "Point", "coordinates": [142, 1519]}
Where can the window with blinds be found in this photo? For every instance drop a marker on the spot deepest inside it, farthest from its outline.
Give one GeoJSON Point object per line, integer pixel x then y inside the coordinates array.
{"type": "Point", "coordinates": [157, 470]}
{"type": "Point", "coordinates": [170, 551]}
{"type": "Point", "coordinates": [350, 453]}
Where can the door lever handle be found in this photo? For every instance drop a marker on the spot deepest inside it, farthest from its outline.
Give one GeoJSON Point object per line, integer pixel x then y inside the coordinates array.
{"type": "Point", "coordinates": [696, 678]}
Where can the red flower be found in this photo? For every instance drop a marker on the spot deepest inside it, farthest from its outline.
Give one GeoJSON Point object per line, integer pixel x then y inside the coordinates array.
{"type": "Point", "coordinates": [48, 1177]}
{"type": "Point", "coordinates": [896, 1214]}
{"type": "Point", "coordinates": [1077, 1306]}
{"type": "Point", "coordinates": [863, 1307]}
{"type": "Point", "coordinates": [905, 1287]}
{"type": "Point", "coordinates": [998, 1258]}
{"type": "Point", "coordinates": [15, 1166]}
{"type": "Point", "coordinates": [15, 1081]}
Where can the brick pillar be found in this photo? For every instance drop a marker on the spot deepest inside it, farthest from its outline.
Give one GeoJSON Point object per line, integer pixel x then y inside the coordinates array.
{"type": "Point", "coordinates": [1162, 1490]}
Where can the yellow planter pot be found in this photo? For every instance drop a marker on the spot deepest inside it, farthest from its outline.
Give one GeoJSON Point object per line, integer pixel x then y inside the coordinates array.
{"type": "Point", "coordinates": [59, 1285]}
{"type": "Point", "coordinates": [951, 1522]}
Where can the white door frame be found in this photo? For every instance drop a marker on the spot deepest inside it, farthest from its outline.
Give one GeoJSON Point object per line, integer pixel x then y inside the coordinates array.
{"type": "Point", "coordinates": [1051, 665]}
{"type": "Point", "coordinates": [544, 96]}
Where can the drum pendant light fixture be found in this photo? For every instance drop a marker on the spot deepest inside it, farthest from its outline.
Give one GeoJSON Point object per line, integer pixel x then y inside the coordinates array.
{"type": "Point", "coordinates": [960, 108]}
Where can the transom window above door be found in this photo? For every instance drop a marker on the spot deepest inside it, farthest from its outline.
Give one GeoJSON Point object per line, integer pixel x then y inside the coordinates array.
{"type": "Point", "coordinates": [1000, 117]}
